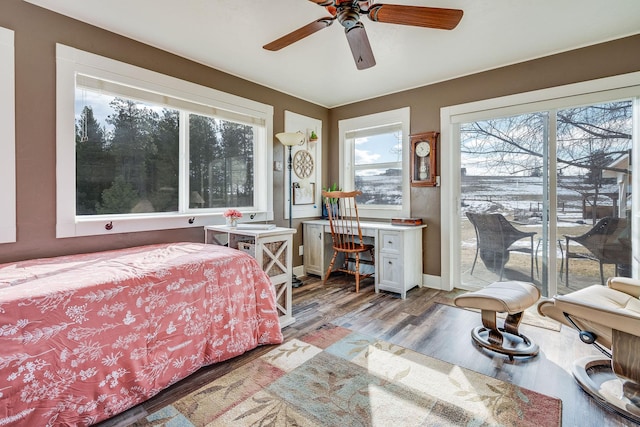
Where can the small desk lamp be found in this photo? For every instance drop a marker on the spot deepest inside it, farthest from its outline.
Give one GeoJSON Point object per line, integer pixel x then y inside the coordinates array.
{"type": "Point", "coordinates": [289, 139]}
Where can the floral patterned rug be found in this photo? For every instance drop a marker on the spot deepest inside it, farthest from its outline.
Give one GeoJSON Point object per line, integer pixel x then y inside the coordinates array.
{"type": "Point", "coordinates": [337, 377]}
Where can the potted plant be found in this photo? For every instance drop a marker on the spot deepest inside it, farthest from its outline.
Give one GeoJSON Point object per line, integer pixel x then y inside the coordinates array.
{"type": "Point", "coordinates": [332, 201]}
{"type": "Point", "coordinates": [313, 137]}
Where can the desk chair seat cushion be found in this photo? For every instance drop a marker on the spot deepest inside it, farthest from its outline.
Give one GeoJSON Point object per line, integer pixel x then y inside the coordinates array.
{"type": "Point", "coordinates": [502, 297]}
{"type": "Point", "coordinates": [357, 247]}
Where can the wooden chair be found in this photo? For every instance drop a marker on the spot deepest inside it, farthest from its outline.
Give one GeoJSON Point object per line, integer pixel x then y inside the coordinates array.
{"type": "Point", "coordinates": [607, 243]}
{"type": "Point", "coordinates": [346, 234]}
{"type": "Point", "coordinates": [494, 237]}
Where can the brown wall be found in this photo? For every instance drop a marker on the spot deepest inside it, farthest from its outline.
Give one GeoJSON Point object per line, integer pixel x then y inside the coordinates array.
{"type": "Point", "coordinates": [603, 60]}
{"type": "Point", "coordinates": [36, 32]}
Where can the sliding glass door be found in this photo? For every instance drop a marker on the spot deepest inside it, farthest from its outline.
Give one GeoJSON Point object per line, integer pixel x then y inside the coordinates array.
{"type": "Point", "coordinates": [545, 196]}
{"type": "Point", "coordinates": [594, 148]}
{"type": "Point", "coordinates": [502, 192]}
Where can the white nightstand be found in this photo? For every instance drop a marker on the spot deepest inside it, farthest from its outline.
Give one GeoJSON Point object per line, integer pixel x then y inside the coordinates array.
{"type": "Point", "coordinates": [272, 249]}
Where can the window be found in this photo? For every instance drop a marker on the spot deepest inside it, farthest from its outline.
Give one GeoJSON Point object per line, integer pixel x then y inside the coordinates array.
{"type": "Point", "coordinates": [557, 160]}
{"type": "Point", "coordinates": [373, 150]}
{"type": "Point", "coordinates": [7, 139]}
{"type": "Point", "coordinates": [151, 152]}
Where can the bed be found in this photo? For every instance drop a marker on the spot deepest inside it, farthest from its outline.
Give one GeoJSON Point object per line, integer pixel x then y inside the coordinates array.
{"type": "Point", "coordinates": [85, 337]}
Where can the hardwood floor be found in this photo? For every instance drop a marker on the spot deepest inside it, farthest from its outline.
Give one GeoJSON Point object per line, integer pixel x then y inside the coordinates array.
{"type": "Point", "coordinates": [424, 323]}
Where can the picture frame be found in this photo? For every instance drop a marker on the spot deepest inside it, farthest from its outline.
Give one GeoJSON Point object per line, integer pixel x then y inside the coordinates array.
{"type": "Point", "coordinates": [424, 155]}
{"type": "Point", "coordinates": [304, 194]}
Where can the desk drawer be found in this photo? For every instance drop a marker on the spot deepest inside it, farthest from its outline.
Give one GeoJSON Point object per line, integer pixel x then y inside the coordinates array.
{"type": "Point", "coordinates": [390, 241]}
{"type": "Point", "coordinates": [390, 269]}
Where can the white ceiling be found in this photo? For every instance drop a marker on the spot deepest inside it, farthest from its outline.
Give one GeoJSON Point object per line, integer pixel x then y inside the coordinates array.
{"type": "Point", "coordinates": [229, 34]}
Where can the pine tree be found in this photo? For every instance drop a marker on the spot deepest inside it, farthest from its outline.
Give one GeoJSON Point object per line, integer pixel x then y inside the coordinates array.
{"type": "Point", "coordinates": [94, 163]}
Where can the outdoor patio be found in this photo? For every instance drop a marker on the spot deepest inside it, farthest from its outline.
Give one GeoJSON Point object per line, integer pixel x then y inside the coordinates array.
{"type": "Point", "coordinates": [582, 272]}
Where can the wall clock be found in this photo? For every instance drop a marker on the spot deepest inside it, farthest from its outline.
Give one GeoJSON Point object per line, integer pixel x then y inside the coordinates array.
{"type": "Point", "coordinates": [423, 159]}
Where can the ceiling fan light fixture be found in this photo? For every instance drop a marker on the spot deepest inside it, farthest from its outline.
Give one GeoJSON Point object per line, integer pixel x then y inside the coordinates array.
{"type": "Point", "coordinates": [348, 16]}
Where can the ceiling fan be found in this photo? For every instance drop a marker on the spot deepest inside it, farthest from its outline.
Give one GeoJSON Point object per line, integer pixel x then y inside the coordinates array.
{"type": "Point", "coordinates": [348, 12]}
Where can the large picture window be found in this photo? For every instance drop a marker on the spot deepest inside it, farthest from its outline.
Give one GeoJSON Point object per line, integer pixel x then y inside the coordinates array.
{"type": "Point", "coordinates": [7, 139]}
{"type": "Point", "coordinates": [374, 149]}
{"type": "Point", "coordinates": [150, 151]}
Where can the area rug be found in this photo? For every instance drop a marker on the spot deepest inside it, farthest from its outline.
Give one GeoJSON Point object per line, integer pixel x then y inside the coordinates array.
{"type": "Point", "coordinates": [337, 377]}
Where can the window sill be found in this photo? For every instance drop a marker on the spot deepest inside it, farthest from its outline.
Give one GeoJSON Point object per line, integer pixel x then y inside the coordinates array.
{"type": "Point", "coordinates": [116, 224]}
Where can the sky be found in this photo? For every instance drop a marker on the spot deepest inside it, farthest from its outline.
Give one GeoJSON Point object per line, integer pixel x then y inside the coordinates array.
{"type": "Point", "coordinates": [378, 149]}
{"type": "Point", "coordinates": [97, 101]}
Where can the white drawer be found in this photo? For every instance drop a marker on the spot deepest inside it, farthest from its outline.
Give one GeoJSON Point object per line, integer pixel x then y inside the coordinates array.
{"type": "Point", "coordinates": [390, 241]}
{"type": "Point", "coordinates": [390, 270]}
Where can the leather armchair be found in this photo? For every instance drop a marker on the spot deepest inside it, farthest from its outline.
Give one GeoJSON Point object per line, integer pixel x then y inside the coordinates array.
{"type": "Point", "coordinates": [609, 318]}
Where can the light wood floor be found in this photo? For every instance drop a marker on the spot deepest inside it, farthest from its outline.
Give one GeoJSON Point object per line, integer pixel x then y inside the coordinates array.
{"type": "Point", "coordinates": [424, 323]}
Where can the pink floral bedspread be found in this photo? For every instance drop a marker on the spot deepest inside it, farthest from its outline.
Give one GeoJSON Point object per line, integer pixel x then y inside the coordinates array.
{"type": "Point", "coordinates": [85, 337]}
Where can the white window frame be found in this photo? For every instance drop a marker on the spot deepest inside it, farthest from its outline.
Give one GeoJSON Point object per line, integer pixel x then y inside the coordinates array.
{"type": "Point", "coordinates": [70, 63]}
{"type": "Point", "coordinates": [590, 92]}
{"type": "Point", "coordinates": [347, 170]}
{"type": "Point", "coordinates": [294, 122]}
{"type": "Point", "coordinates": [7, 138]}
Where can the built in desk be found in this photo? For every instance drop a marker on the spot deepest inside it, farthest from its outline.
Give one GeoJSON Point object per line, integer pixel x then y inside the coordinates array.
{"type": "Point", "coordinates": [398, 253]}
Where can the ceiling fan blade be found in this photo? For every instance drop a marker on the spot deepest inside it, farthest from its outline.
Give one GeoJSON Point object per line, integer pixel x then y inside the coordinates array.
{"type": "Point", "coordinates": [323, 3]}
{"type": "Point", "coordinates": [360, 47]}
{"type": "Point", "coordinates": [419, 16]}
{"type": "Point", "coordinates": [299, 34]}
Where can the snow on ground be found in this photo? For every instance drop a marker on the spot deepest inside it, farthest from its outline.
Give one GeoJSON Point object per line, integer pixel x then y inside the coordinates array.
{"type": "Point", "coordinates": [515, 196]}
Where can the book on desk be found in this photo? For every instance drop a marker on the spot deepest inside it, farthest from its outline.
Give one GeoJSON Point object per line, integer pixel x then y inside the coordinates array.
{"type": "Point", "coordinates": [406, 221]}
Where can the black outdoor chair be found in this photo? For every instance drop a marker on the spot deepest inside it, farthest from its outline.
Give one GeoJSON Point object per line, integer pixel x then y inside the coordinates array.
{"type": "Point", "coordinates": [494, 237]}
{"type": "Point", "coordinates": [608, 242]}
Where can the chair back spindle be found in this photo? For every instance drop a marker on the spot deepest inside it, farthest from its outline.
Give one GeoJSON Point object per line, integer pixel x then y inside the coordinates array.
{"type": "Point", "coordinates": [344, 220]}
{"type": "Point", "coordinates": [346, 233]}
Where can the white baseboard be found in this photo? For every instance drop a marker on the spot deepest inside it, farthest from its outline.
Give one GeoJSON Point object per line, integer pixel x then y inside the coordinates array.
{"type": "Point", "coordinates": [428, 280]}
{"type": "Point", "coordinates": [435, 282]}
{"type": "Point", "coordinates": [298, 271]}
